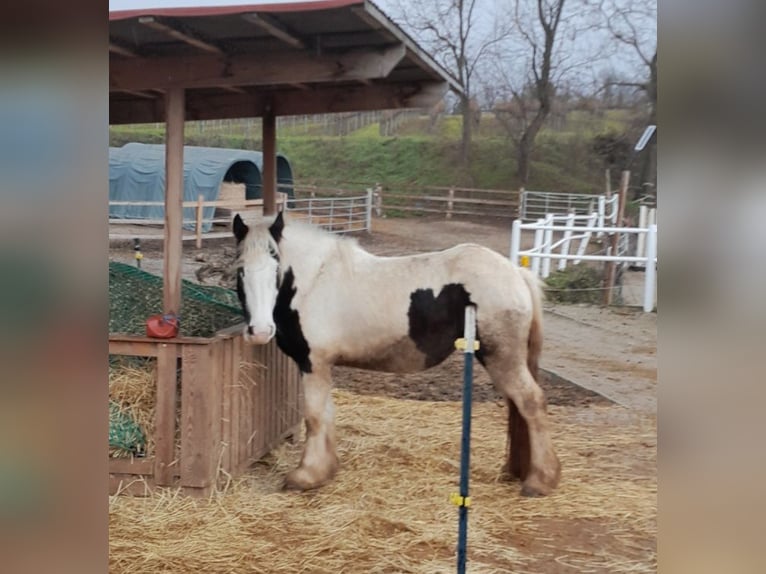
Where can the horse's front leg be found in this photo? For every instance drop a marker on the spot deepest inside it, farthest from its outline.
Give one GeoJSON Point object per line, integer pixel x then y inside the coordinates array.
{"type": "Point", "coordinates": [319, 461]}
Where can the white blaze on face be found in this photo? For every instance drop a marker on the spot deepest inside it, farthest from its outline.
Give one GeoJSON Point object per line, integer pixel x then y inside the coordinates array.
{"type": "Point", "coordinates": [259, 283]}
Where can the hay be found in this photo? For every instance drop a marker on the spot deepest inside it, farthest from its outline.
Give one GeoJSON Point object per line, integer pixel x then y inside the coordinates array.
{"type": "Point", "coordinates": [387, 510]}
{"type": "Point", "coordinates": [132, 385]}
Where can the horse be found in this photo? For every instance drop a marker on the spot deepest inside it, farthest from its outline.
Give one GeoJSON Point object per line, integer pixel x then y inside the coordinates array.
{"type": "Point", "coordinates": [330, 302]}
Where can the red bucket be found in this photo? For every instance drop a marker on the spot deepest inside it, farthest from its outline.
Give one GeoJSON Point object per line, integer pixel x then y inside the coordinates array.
{"type": "Point", "coordinates": [163, 326]}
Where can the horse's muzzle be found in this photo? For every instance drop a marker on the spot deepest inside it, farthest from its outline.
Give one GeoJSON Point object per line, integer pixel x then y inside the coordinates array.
{"type": "Point", "coordinates": [260, 337]}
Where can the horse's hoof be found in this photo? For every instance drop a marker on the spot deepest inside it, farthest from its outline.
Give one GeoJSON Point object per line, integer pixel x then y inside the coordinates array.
{"type": "Point", "coordinates": [531, 492]}
{"type": "Point", "coordinates": [301, 479]}
{"type": "Point", "coordinates": [297, 480]}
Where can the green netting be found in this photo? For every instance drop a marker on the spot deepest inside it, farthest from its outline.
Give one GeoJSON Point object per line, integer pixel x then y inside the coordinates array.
{"type": "Point", "coordinates": [135, 294]}
{"type": "Point", "coordinates": [124, 433]}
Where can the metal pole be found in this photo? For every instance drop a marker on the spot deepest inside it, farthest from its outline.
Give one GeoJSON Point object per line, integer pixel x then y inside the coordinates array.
{"type": "Point", "coordinates": [547, 241]}
{"type": "Point", "coordinates": [515, 240]}
{"type": "Point", "coordinates": [463, 500]}
{"type": "Point", "coordinates": [651, 271]}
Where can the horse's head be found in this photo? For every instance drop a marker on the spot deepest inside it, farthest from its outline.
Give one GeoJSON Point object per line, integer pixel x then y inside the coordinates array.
{"type": "Point", "coordinates": [258, 275]}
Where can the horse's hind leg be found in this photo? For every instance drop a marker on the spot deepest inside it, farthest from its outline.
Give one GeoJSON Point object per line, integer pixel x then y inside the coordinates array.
{"type": "Point", "coordinates": [517, 465]}
{"type": "Point", "coordinates": [320, 460]}
{"type": "Point", "coordinates": [532, 457]}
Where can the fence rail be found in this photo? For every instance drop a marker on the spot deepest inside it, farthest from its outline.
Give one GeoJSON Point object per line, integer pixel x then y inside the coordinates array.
{"type": "Point", "coordinates": [543, 251]}
{"type": "Point", "coordinates": [340, 213]}
{"type": "Point", "coordinates": [447, 201]}
{"type": "Point", "coordinates": [538, 204]}
{"type": "Point", "coordinates": [335, 214]}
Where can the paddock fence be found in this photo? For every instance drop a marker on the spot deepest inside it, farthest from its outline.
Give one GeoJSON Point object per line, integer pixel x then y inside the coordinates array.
{"type": "Point", "coordinates": [563, 238]}
{"type": "Point", "coordinates": [337, 210]}
{"type": "Point", "coordinates": [449, 202]}
{"type": "Point", "coordinates": [538, 204]}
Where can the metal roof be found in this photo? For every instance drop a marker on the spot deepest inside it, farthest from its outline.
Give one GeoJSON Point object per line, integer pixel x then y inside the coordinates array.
{"type": "Point", "coordinates": [238, 60]}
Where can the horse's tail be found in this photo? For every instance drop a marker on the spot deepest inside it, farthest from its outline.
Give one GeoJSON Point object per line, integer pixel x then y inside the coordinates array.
{"type": "Point", "coordinates": [535, 341]}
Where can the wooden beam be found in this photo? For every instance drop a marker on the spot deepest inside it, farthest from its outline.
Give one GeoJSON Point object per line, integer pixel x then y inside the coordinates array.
{"type": "Point", "coordinates": [376, 19]}
{"type": "Point", "coordinates": [174, 191]}
{"type": "Point", "coordinates": [276, 29]}
{"type": "Point", "coordinates": [193, 39]}
{"type": "Point", "coordinates": [269, 124]}
{"type": "Point", "coordinates": [279, 68]}
{"type": "Point", "coordinates": [146, 95]}
{"type": "Point", "coordinates": [122, 50]}
{"type": "Point", "coordinates": [318, 100]}
{"type": "Point", "coordinates": [234, 90]}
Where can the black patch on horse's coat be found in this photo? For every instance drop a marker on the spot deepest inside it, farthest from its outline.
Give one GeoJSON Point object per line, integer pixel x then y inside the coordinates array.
{"type": "Point", "coordinates": [435, 322]}
{"type": "Point", "coordinates": [290, 337]}
{"type": "Point", "coordinates": [276, 228]}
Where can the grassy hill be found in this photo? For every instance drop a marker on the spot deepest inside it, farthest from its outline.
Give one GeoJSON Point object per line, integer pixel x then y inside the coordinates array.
{"type": "Point", "coordinates": [420, 152]}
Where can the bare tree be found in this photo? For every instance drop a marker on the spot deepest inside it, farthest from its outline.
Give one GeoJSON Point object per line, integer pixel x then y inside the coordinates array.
{"type": "Point", "coordinates": [536, 66]}
{"type": "Point", "coordinates": [632, 24]}
{"type": "Point", "coordinates": [461, 34]}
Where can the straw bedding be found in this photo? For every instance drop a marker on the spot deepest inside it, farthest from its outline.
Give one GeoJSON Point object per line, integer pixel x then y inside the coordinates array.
{"type": "Point", "coordinates": [387, 510]}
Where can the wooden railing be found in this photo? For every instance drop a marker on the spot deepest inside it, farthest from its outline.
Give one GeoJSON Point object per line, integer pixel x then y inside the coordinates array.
{"type": "Point", "coordinates": [447, 201]}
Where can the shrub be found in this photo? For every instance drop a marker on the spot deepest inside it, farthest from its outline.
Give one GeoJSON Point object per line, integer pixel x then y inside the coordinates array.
{"type": "Point", "coordinates": [576, 284]}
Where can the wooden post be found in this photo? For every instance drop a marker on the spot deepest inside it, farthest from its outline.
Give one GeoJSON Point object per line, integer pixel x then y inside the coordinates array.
{"type": "Point", "coordinates": [608, 176]}
{"type": "Point", "coordinates": [200, 418]}
{"type": "Point", "coordinates": [450, 201]}
{"type": "Point", "coordinates": [269, 162]}
{"type": "Point", "coordinates": [174, 188]}
{"type": "Point", "coordinates": [611, 266]}
{"type": "Point", "coordinates": [165, 414]}
{"type": "Point", "coordinates": [200, 199]}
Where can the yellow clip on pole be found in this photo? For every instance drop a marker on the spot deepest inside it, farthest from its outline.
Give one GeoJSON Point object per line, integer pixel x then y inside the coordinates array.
{"type": "Point", "coordinates": [460, 344]}
{"type": "Point", "coordinates": [458, 500]}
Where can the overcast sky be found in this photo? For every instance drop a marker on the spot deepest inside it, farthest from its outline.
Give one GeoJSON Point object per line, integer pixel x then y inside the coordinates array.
{"type": "Point", "coordinates": [622, 62]}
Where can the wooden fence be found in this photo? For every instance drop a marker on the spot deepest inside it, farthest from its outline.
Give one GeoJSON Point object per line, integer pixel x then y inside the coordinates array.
{"type": "Point", "coordinates": [447, 201]}
{"type": "Point", "coordinates": [237, 402]}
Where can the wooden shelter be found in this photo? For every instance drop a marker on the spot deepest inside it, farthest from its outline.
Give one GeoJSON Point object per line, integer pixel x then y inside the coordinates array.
{"type": "Point", "coordinates": [254, 59]}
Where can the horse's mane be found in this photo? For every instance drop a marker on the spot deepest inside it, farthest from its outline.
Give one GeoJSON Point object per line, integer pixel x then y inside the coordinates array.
{"type": "Point", "coordinates": [326, 243]}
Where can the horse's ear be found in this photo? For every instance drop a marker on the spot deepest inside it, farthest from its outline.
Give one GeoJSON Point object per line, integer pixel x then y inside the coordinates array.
{"type": "Point", "coordinates": [239, 228]}
{"type": "Point", "coordinates": [277, 227]}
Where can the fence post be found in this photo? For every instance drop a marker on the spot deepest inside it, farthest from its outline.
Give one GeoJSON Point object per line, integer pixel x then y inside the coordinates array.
{"type": "Point", "coordinates": [311, 207]}
{"type": "Point", "coordinates": [200, 199]}
{"type": "Point", "coordinates": [567, 239]}
{"type": "Point", "coordinates": [450, 201]}
{"type": "Point", "coordinates": [547, 241]}
{"type": "Point", "coordinates": [515, 240]}
{"type": "Point", "coordinates": [523, 204]}
{"type": "Point", "coordinates": [601, 214]}
{"type": "Point", "coordinates": [368, 211]}
{"type": "Point", "coordinates": [611, 266]}
{"type": "Point", "coordinates": [536, 249]}
{"type": "Point", "coordinates": [650, 274]}
{"type": "Point", "coordinates": [643, 224]}
{"type": "Point", "coordinates": [378, 200]}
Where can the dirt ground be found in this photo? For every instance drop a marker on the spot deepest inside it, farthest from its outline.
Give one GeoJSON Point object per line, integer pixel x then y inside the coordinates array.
{"type": "Point", "coordinates": [599, 370]}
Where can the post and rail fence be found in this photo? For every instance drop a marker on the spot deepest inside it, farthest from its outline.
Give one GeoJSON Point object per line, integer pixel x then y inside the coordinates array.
{"type": "Point", "coordinates": [545, 249]}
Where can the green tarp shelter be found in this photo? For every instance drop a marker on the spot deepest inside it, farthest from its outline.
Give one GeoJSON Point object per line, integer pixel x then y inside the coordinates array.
{"type": "Point", "coordinates": [137, 173]}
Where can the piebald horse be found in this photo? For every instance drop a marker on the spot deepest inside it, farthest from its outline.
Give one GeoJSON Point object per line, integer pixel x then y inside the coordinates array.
{"type": "Point", "coordinates": [330, 302]}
